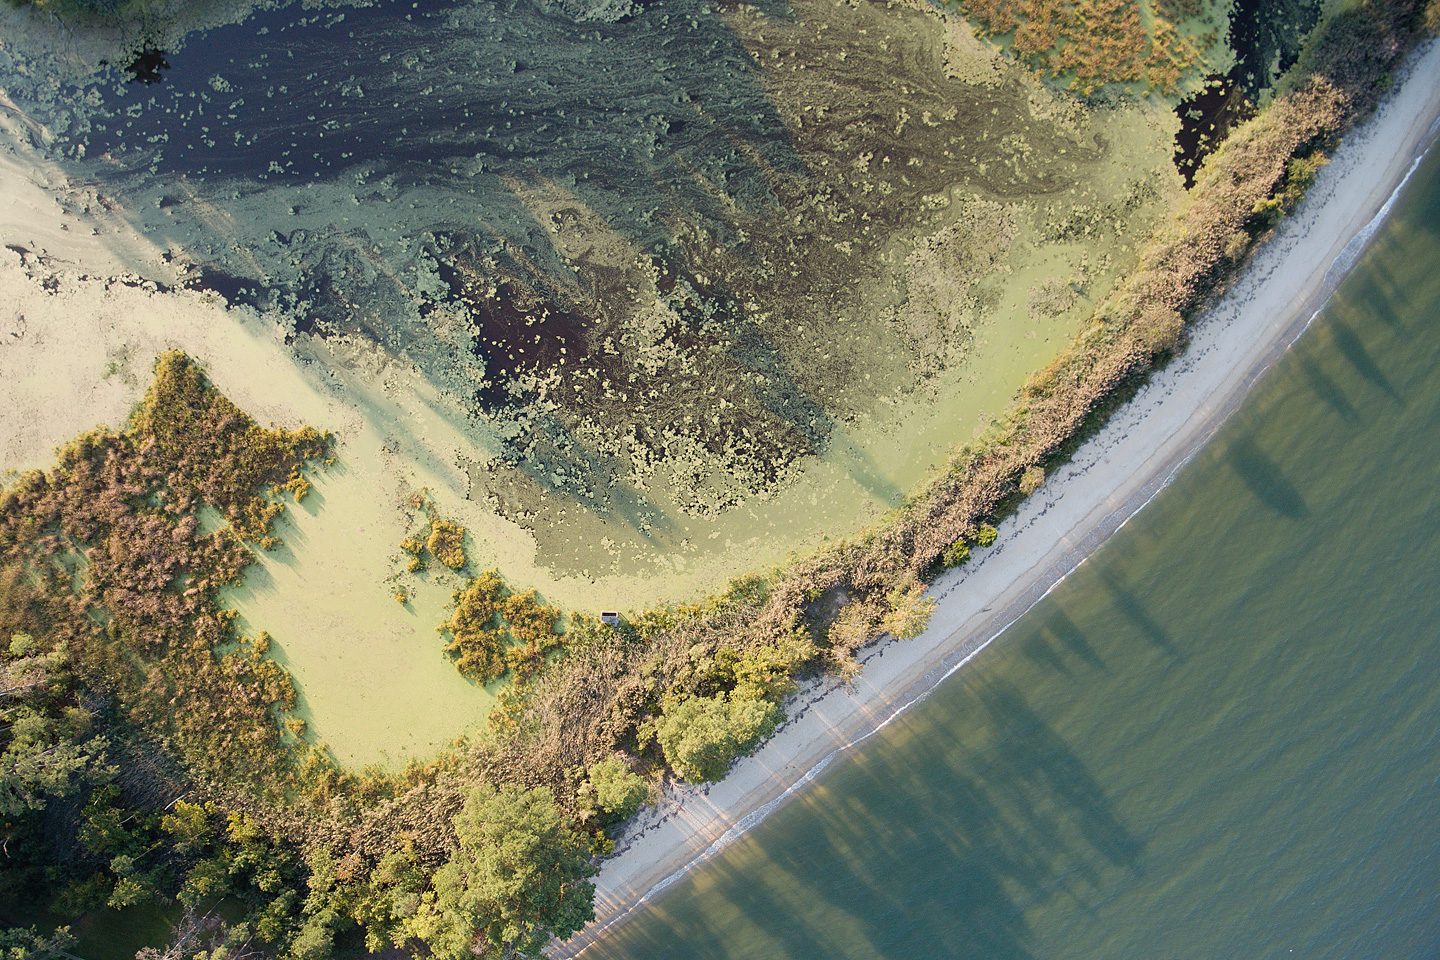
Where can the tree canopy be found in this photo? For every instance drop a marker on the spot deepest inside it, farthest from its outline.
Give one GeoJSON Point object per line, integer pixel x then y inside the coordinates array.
{"type": "Point", "coordinates": [46, 745]}
{"type": "Point", "coordinates": [519, 877]}
{"type": "Point", "coordinates": [701, 736]}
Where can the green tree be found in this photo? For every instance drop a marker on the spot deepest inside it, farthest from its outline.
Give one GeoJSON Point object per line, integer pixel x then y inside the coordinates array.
{"type": "Point", "coordinates": [909, 613]}
{"type": "Point", "coordinates": [519, 876]}
{"type": "Point", "coordinates": [46, 746]}
{"type": "Point", "coordinates": [955, 554]}
{"type": "Point", "coordinates": [27, 943]}
{"type": "Point", "coordinates": [1032, 479]}
{"type": "Point", "coordinates": [391, 895]}
{"type": "Point", "coordinates": [702, 736]}
{"type": "Point", "coordinates": [45, 757]}
{"type": "Point", "coordinates": [614, 788]}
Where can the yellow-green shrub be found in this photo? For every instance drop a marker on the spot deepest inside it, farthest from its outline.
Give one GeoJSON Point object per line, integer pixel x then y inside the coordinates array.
{"type": "Point", "coordinates": [447, 543]}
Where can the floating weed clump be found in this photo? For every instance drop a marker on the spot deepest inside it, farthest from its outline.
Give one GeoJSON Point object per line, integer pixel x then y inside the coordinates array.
{"type": "Point", "coordinates": [446, 543]}
{"type": "Point", "coordinates": [438, 538]}
{"type": "Point", "coordinates": [494, 631]}
{"type": "Point", "coordinates": [415, 548]}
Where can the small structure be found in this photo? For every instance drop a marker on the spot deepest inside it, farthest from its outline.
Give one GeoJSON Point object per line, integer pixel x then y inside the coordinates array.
{"type": "Point", "coordinates": [610, 618]}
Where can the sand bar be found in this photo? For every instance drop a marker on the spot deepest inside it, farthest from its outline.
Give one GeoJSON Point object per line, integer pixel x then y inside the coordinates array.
{"type": "Point", "coordinates": [1110, 479]}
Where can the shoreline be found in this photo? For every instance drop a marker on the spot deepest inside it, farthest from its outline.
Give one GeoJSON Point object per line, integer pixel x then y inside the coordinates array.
{"type": "Point", "coordinates": [1114, 474]}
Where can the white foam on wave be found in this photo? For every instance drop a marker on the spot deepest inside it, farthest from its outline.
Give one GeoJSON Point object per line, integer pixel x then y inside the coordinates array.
{"type": "Point", "coordinates": [1352, 250]}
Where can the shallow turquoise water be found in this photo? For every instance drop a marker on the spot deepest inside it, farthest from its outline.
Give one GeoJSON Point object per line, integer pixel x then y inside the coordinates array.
{"type": "Point", "coordinates": [1218, 739]}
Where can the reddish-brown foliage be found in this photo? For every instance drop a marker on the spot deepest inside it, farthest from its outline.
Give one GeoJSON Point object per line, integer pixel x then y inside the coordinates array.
{"type": "Point", "coordinates": [1092, 42]}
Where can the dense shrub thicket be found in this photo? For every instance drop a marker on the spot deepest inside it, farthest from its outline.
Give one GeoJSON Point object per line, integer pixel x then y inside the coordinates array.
{"type": "Point", "coordinates": [118, 659]}
{"type": "Point", "coordinates": [106, 557]}
{"type": "Point", "coordinates": [494, 631]}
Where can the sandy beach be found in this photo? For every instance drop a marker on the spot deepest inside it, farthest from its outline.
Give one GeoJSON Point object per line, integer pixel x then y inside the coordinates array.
{"type": "Point", "coordinates": [1109, 480]}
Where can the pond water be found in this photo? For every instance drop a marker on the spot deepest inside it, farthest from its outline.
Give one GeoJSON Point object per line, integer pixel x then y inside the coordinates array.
{"type": "Point", "coordinates": [683, 293]}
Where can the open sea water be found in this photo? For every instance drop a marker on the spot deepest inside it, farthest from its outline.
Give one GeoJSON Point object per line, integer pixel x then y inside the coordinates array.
{"type": "Point", "coordinates": [1220, 738]}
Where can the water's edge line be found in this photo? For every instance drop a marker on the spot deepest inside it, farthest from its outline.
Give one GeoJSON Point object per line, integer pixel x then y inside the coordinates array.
{"type": "Point", "coordinates": [1096, 535]}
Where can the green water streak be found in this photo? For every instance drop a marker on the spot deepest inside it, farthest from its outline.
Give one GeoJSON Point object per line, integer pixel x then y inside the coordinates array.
{"type": "Point", "coordinates": [1217, 739]}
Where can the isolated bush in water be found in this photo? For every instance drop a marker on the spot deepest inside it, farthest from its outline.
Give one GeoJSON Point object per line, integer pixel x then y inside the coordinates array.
{"type": "Point", "coordinates": [476, 640]}
{"type": "Point", "coordinates": [702, 736]}
{"type": "Point", "coordinates": [493, 630]}
{"type": "Point", "coordinates": [447, 543]}
{"type": "Point", "coordinates": [519, 876]}
{"type": "Point", "coordinates": [415, 547]}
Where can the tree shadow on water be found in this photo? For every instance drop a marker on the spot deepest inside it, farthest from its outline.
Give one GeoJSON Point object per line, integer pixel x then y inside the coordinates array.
{"type": "Point", "coordinates": [937, 842]}
{"type": "Point", "coordinates": [1133, 606]}
{"type": "Point", "coordinates": [1262, 476]}
{"type": "Point", "coordinates": [1059, 644]}
{"type": "Point", "coordinates": [1354, 350]}
{"type": "Point", "coordinates": [1326, 388]}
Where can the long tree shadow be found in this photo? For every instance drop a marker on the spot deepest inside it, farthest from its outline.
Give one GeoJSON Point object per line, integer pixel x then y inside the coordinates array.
{"type": "Point", "coordinates": [934, 842]}
{"type": "Point", "coordinates": [1129, 603]}
{"type": "Point", "coordinates": [1354, 350]}
{"type": "Point", "coordinates": [1325, 387]}
{"type": "Point", "coordinates": [1264, 479]}
{"type": "Point", "coordinates": [1059, 643]}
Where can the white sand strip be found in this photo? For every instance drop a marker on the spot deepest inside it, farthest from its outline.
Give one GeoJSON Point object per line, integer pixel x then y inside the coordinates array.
{"type": "Point", "coordinates": [1110, 479]}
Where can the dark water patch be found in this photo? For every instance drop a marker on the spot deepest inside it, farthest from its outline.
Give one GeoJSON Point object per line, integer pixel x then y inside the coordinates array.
{"type": "Point", "coordinates": [1206, 118]}
{"type": "Point", "coordinates": [235, 290]}
{"type": "Point", "coordinates": [520, 344]}
{"type": "Point", "coordinates": [147, 66]}
{"type": "Point", "coordinates": [1266, 37]}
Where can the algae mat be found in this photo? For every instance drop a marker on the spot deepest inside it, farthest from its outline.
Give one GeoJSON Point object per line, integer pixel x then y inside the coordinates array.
{"type": "Point", "coordinates": [374, 684]}
{"type": "Point", "coordinates": [645, 304]}
{"type": "Point", "coordinates": [689, 291]}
